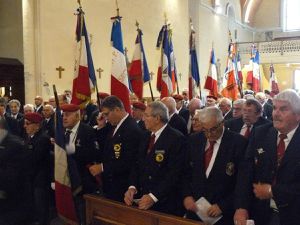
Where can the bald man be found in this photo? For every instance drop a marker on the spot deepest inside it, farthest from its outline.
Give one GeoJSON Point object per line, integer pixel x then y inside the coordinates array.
{"type": "Point", "coordinates": [175, 121]}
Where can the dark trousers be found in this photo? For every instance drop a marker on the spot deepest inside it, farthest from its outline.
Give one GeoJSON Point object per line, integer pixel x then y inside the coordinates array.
{"type": "Point", "coordinates": [41, 205]}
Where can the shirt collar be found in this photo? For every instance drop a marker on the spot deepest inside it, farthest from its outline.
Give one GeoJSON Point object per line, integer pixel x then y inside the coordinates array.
{"type": "Point", "coordinates": [290, 134]}
{"type": "Point", "coordinates": [121, 121]}
{"type": "Point", "coordinates": [75, 128]}
{"type": "Point", "coordinates": [158, 132]}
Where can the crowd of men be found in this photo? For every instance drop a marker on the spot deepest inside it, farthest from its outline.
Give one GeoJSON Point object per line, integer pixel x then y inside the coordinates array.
{"type": "Point", "coordinates": [167, 156]}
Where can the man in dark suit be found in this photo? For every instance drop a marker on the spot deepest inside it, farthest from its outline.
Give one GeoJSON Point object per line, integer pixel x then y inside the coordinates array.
{"type": "Point", "coordinates": [81, 147]}
{"type": "Point", "coordinates": [138, 109]}
{"type": "Point", "coordinates": [252, 111]}
{"type": "Point", "coordinates": [14, 180]}
{"type": "Point", "coordinates": [267, 108]}
{"type": "Point", "coordinates": [120, 150]}
{"type": "Point", "coordinates": [157, 172]}
{"type": "Point", "coordinates": [269, 180]}
{"type": "Point", "coordinates": [14, 106]}
{"type": "Point", "coordinates": [175, 121]}
{"type": "Point", "coordinates": [11, 123]}
{"type": "Point", "coordinates": [225, 105]}
{"type": "Point", "coordinates": [38, 101]}
{"type": "Point", "coordinates": [211, 168]}
{"type": "Point", "coordinates": [38, 145]}
{"type": "Point", "coordinates": [48, 121]}
{"type": "Point", "coordinates": [194, 104]}
{"type": "Point", "coordinates": [181, 107]}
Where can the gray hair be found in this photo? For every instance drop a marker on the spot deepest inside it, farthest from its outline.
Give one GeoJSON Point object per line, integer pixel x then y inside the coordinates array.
{"type": "Point", "coordinates": [15, 101]}
{"type": "Point", "coordinates": [227, 101]}
{"type": "Point", "coordinates": [50, 106]}
{"type": "Point", "coordinates": [240, 101]}
{"type": "Point", "coordinates": [290, 96]}
{"type": "Point", "coordinates": [199, 114]}
{"type": "Point", "coordinates": [209, 113]}
{"type": "Point", "coordinates": [29, 106]}
{"type": "Point", "coordinates": [159, 109]}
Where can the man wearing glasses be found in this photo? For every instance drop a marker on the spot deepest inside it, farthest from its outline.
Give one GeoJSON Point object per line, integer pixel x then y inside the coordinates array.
{"type": "Point", "coordinates": [211, 168]}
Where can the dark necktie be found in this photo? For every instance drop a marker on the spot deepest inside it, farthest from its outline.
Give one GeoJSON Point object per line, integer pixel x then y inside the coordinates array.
{"type": "Point", "coordinates": [151, 143]}
{"type": "Point", "coordinates": [247, 132]}
{"type": "Point", "coordinates": [208, 154]}
{"type": "Point", "coordinates": [280, 153]}
{"type": "Point", "coordinates": [112, 131]}
{"type": "Point", "coordinates": [67, 136]}
{"type": "Point", "coordinates": [281, 147]}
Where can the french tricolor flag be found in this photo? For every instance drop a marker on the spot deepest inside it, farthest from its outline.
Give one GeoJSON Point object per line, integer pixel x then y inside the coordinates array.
{"type": "Point", "coordinates": [253, 75]}
{"type": "Point", "coordinates": [211, 83]}
{"type": "Point", "coordinates": [119, 74]}
{"type": "Point", "coordinates": [84, 73]}
{"type": "Point", "coordinates": [139, 72]}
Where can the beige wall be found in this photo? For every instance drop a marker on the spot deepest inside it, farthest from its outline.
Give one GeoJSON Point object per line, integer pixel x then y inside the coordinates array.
{"type": "Point", "coordinates": [268, 15]}
{"type": "Point", "coordinates": [11, 35]}
{"type": "Point", "coordinates": [49, 37]}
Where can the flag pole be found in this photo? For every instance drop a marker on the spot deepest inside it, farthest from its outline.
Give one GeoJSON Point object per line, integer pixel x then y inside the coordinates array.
{"type": "Point", "coordinates": [139, 35]}
{"type": "Point", "coordinates": [170, 39]}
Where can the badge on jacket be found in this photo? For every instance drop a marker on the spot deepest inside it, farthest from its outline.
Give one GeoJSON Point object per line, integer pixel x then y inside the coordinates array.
{"type": "Point", "coordinates": [230, 168]}
{"type": "Point", "coordinates": [260, 151]}
{"type": "Point", "coordinates": [117, 150]}
{"type": "Point", "coordinates": [159, 155]}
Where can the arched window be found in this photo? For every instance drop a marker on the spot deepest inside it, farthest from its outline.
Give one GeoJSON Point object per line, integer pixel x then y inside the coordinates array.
{"type": "Point", "coordinates": [291, 15]}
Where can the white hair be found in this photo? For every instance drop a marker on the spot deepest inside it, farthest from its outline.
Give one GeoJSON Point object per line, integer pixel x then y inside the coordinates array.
{"type": "Point", "coordinates": [290, 96]}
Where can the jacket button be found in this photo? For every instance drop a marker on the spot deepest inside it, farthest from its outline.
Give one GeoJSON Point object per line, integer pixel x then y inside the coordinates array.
{"type": "Point", "coordinates": [149, 177]}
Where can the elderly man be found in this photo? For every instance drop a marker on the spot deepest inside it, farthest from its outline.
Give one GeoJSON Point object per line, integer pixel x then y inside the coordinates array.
{"type": "Point", "coordinates": [211, 101]}
{"type": "Point", "coordinates": [157, 173]}
{"type": "Point", "coordinates": [175, 121]}
{"type": "Point", "coordinates": [38, 101]}
{"type": "Point", "coordinates": [211, 169]}
{"type": "Point", "coordinates": [28, 108]}
{"type": "Point", "coordinates": [196, 122]}
{"type": "Point", "coordinates": [120, 151]}
{"type": "Point", "coordinates": [39, 146]}
{"type": "Point", "coordinates": [225, 105]}
{"type": "Point", "coordinates": [271, 170]}
{"type": "Point", "coordinates": [237, 108]}
{"type": "Point", "coordinates": [138, 109]}
{"type": "Point", "coordinates": [48, 121]}
{"type": "Point", "coordinates": [194, 104]}
{"type": "Point", "coordinates": [12, 124]}
{"type": "Point", "coordinates": [252, 117]}
{"type": "Point", "coordinates": [267, 108]}
{"type": "Point", "coordinates": [81, 147]}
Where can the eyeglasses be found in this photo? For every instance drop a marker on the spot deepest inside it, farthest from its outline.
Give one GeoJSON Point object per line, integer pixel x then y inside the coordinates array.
{"type": "Point", "coordinates": [213, 129]}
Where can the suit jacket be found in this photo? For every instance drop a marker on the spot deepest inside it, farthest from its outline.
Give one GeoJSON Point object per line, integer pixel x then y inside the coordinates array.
{"type": "Point", "coordinates": [260, 165]}
{"type": "Point", "coordinates": [184, 113]}
{"type": "Point", "coordinates": [48, 127]}
{"type": "Point", "coordinates": [218, 187]}
{"type": "Point", "coordinates": [118, 157]}
{"type": "Point", "coordinates": [12, 125]}
{"type": "Point", "coordinates": [14, 181]}
{"type": "Point", "coordinates": [228, 115]}
{"type": "Point", "coordinates": [39, 147]}
{"type": "Point", "coordinates": [40, 110]}
{"type": "Point", "coordinates": [236, 125]}
{"type": "Point", "coordinates": [159, 171]}
{"type": "Point", "coordinates": [86, 148]}
{"type": "Point", "coordinates": [141, 125]}
{"type": "Point", "coordinates": [267, 111]}
{"type": "Point", "coordinates": [178, 123]}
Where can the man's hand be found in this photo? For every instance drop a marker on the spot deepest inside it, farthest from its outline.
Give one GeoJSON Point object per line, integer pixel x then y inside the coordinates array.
{"type": "Point", "coordinates": [146, 202]}
{"type": "Point", "coordinates": [214, 211]}
{"type": "Point", "coordinates": [262, 191]}
{"type": "Point", "coordinates": [95, 169]}
{"type": "Point", "coordinates": [189, 204]}
{"type": "Point", "coordinates": [128, 197]}
{"type": "Point", "coordinates": [240, 217]}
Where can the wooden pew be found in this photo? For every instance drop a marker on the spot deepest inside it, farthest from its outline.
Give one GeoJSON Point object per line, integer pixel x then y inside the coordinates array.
{"type": "Point", "coordinates": [101, 211]}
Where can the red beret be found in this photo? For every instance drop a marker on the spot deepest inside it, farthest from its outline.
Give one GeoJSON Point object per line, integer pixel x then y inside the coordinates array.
{"type": "Point", "coordinates": [103, 95]}
{"type": "Point", "coordinates": [33, 117]}
{"type": "Point", "coordinates": [69, 107]}
{"type": "Point", "coordinates": [178, 97]}
{"type": "Point", "coordinates": [139, 105]}
{"type": "Point", "coordinates": [211, 96]}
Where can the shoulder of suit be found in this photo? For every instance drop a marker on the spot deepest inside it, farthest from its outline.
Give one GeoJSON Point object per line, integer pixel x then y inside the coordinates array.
{"type": "Point", "coordinates": [263, 129]}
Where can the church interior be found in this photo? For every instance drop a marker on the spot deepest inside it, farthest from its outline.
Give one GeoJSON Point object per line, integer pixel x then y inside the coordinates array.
{"type": "Point", "coordinates": [38, 38]}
